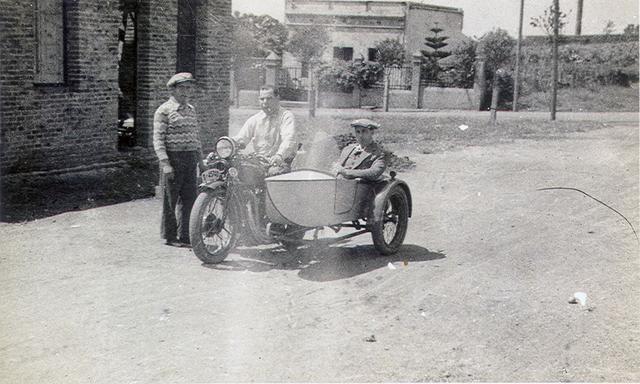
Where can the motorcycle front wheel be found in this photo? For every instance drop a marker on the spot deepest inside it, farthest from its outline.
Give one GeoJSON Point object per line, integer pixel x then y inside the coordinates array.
{"type": "Point", "coordinates": [212, 227]}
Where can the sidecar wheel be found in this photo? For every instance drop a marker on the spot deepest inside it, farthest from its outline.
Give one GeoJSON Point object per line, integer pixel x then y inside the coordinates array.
{"type": "Point", "coordinates": [212, 229]}
{"type": "Point", "coordinates": [389, 232]}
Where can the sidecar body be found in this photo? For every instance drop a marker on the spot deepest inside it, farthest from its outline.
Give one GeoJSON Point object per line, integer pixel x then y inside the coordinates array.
{"type": "Point", "coordinates": [311, 198]}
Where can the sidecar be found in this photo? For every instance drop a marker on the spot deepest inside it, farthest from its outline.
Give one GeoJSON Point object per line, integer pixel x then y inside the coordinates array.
{"type": "Point", "coordinates": [312, 199]}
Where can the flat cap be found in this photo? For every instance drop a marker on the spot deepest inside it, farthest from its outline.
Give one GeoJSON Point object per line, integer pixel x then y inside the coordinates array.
{"type": "Point", "coordinates": [178, 78]}
{"type": "Point", "coordinates": [365, 123]}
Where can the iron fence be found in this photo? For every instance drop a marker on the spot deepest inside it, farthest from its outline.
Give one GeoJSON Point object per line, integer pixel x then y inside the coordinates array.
{"type": "Point", "coordinates": [399, 78]}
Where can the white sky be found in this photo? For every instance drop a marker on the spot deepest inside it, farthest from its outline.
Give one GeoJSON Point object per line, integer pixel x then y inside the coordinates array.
{"type": "Point", "coordinates": [481, 16]}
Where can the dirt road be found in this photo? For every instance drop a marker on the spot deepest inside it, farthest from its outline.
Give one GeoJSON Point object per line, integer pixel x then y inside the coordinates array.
{"type": "Point", "coordinates": [479, 292]}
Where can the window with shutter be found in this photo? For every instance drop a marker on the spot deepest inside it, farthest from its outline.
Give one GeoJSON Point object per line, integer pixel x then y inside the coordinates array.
{"type": "Point", "coordinates": [49, 67]}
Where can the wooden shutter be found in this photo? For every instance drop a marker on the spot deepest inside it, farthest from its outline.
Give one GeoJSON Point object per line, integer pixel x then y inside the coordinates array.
{"type": "Point", "coordinates": [49, 42]}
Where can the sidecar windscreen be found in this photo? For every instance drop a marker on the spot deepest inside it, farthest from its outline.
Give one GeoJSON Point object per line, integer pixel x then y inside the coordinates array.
{"type": "Point", "coordinates": [313, 198]}
{"type": "Point", "coordinates": [319, 154]}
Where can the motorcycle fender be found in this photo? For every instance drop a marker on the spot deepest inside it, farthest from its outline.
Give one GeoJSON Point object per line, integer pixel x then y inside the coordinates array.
{"type": "Point", "coordinates": [383, 191]}
{"type": "Point", "coordinates": [212, 186]}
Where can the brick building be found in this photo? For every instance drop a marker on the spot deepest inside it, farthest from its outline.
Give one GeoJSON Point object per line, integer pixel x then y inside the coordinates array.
{"type": "Point", "coordinates": [355, 26]}
{"type": "Point", "coordinates": [70, 69]}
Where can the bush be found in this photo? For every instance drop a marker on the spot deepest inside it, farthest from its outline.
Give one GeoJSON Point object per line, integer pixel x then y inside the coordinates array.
{"type": "Point", "coordinates": [345, 76]}
{"type": "Point", "coordinates": [581, 66]}
{"type": "Point", "coordinates": [460, 67]}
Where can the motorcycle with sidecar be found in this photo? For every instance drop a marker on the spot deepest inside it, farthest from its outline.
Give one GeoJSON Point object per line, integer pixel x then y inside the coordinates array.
{"type": "Point", "coordinates": [238, 203]}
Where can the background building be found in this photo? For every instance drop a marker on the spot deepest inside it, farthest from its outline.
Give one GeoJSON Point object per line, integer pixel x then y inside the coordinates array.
{"type": "Point", "coordinates": [69, 70]}
{"type": "Point", "coordinates": [355, 26]}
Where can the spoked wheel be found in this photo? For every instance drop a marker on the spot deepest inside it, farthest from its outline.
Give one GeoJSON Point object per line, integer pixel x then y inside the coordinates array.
{"type": "Point", "coordinates": [212, 228]}
{"type": "Point", "coordinates": [388, 233]}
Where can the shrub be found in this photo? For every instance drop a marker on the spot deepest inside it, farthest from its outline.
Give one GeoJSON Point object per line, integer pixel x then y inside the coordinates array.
{"type": "Point", "coordinates": [390, 53]}
{"type": "Point", "coordinates": [345, 76]}
{"type": "Point", "coordinates": [460, 67]}
{"type": "Point", "coordinates": [581, 66]}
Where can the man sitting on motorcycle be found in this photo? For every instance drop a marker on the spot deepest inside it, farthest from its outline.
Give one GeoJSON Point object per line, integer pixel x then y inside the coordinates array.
{"type": "Point", "coordinates": [364, 159]}
{"type": "Point", "coordinates": [271, 132]}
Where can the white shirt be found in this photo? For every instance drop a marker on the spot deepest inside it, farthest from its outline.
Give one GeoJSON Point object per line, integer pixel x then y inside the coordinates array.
{"type": "Point", "coordinates": [270, 135]}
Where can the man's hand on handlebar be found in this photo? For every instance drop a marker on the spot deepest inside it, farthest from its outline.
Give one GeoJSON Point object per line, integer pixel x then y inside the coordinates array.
{"type": "Point", "coordinates": [276, 160]}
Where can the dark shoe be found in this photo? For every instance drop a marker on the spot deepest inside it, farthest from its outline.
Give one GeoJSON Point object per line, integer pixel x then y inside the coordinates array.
{"type": "Point", "coordinates": [175, 243]}
{"type": "Point", "coordinates": [184, 244]}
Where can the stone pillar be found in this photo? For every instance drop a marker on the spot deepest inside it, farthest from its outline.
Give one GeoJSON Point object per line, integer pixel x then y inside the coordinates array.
{"type": "Point", "coordinates": [273, 63]}
{"type": "Point", "coordinates": [416, 89]}
{"type": "Point", "coordinates": [312, 98]}
{"type": "Point", "coordinates": [355, 95]}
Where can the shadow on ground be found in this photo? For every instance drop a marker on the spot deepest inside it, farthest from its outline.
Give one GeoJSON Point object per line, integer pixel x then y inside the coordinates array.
{"type": "Point", "coordinates": [323, 263]}
{"type": "Point", "coordinates": [31, 198]}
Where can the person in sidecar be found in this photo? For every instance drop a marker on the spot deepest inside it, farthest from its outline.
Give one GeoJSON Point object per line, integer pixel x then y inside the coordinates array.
{"type": "Point", "coordinates": [364, 159]}
{"type": "Point", "coordinates": [271, 132]}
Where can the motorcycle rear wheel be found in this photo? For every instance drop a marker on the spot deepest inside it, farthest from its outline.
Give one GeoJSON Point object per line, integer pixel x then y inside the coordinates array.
{"type": "Point", "coordinates": [212, 227]}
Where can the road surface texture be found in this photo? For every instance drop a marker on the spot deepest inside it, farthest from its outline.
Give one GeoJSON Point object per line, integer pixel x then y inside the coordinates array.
{"type": "Point", "coordinates": [479, 292]}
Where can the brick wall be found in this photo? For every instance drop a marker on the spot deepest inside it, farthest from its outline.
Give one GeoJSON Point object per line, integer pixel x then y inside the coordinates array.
{"type": "Point", "coordinates": [46, 127]}
{"type": "Point", "coordinates": [213, 59]}
{"type": "Point", "coordinates": [157, 36]}
{"type": "Point", "coordinates": [58, 126]}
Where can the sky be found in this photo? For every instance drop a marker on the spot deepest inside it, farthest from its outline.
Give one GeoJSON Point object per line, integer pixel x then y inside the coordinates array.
{"type": "Point", "coordinates": [481, 16]}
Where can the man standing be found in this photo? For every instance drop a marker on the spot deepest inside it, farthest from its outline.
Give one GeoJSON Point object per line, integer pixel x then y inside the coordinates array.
{"type": "Point", "coordinates": [176, 141]}
{"type": "Point", "coordinates": [271, 132]}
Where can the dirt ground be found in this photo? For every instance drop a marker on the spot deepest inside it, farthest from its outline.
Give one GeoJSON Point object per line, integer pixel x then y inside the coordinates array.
{"type": "Point", "coordinates": [479, 291]}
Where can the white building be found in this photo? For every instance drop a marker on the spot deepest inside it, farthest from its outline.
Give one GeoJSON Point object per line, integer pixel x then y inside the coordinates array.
{"type": "Point", "coordinates": [356, 26]}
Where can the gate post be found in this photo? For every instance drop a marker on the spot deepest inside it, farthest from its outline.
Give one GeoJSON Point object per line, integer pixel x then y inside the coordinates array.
{"type": "Point", "coordinates": [312, 88]}
{"type": "Point", "coordinates": [480, 82]}
{"type": "Point", "coordinates": [385, 94]}
{"type": "Point", "coordinates": [416, 89]}
{"type": "Point", "coordinates": [272, 65]}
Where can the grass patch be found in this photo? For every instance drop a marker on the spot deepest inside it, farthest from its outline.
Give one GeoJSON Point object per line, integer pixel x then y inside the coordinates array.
{"type": "Point", "coordinates": [602, 99]}
{"type": "Point", "coordinates": [429, 133]}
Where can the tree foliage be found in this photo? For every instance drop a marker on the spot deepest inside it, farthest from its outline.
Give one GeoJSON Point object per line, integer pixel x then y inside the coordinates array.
{"type": "Point", "coordinates": [460, 66]}
{"type": "Point", "coordinates": [631, 29]}
{"type": "Point", "coordinates": [497, 49]}
{"type": "Point", "coordinates": [609, 28]}
{"type": "Point", "coordinates": [308, 42]}
{"type": "Point", "coordinates": [390, 53]}
{"type": "Point", "coordinates": [256, 35]}
{"type": "Point", "coordinates": [431, 67]}
{"type": "Point", "coordinates": [546, 20]}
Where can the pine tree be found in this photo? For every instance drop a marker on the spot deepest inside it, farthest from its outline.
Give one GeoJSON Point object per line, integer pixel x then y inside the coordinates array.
{"type": "Point", "coordinates": [431, 67]}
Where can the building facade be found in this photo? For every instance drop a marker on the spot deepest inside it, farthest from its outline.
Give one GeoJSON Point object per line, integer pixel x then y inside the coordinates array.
{"type": "Point", "coordinates": [71, 69]}
{"type": "Point", "coordinates": [356, 26]}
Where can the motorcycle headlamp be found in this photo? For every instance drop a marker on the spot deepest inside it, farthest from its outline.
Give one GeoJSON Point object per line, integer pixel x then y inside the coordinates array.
{"type": "Point", "coordinates": [225, 147]}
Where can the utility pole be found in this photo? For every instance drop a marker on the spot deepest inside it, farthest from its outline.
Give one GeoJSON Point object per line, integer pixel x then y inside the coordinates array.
{"type": "Point", "coordinates": [516, 86]}
{"type": "Point", "coordinates": [579, 19]}
{"type": "Point", "coordinates": [554, 92]}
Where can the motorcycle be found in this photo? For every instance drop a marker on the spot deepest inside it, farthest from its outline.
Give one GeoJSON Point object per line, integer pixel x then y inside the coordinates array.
{"type": "Point", "coordinates": [238, 202]}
